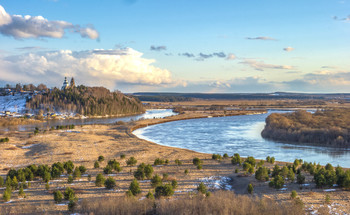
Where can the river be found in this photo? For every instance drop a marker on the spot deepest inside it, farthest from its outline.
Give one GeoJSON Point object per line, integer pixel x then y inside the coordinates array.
{"type": "Point", "coordinates": [237, 134]}
{"type": "Point", "coordinates": [149, 114]}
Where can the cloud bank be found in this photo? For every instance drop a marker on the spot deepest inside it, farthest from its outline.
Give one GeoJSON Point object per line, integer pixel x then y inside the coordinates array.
{"type": "Point", "coordinates": [21, 27]}
{"type": "Point", "coordinates": [158, 48]}
{"type": "Point", "coordinates": [260, 38]}
{"type": "Point", "coordinates": [92, 67]}
{"type": "Point", "coordinates": [261, 66]}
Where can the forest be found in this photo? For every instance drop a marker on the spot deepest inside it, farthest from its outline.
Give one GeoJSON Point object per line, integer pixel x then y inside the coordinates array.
{"type": "Point", "coordinates": [89, 101]}
{"type": "Point", "coordinates": [328, 127]}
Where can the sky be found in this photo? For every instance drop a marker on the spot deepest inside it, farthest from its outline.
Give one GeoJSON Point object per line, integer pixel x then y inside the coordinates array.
{"type": "Point", "coordinates": [224, 46]}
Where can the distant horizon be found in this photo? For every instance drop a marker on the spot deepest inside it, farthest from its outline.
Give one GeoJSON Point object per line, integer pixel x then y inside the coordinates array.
{"type": "Point", "coordinates": [178, 46]}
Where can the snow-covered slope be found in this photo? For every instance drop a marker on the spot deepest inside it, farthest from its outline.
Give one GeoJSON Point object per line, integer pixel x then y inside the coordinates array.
{"type": "Point", "coordinates": [16, 103]}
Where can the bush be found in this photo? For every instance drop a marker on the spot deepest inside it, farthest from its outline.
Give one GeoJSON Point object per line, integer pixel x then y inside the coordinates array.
{"type": "Point", "coordinates": [165, 176]}
{"type": "Point", "coordinates": [108, 170]}
{"type": "Point", "coordinates": [164, 190]}
{"type": "Point", "coordinates": [246, 166]}
{"type": "Point", "coordinates": [250, 188]}
{"type": "Point", "coordinates": [72, 204]}
{"type": "Point", "coordinates": [7, 194]}
{"type": "Point", "coordinates": [156, 181]}
{"type": "Point", "coordinates": [300, 178]}
{"type": "Point", "coordinates": [100, 180]}
{"type": "Point", "coordinates": [178, 162]}
{"type": "Point", "coordinates": [174, 184]}
{"type": "Point", "coordinates": [1, 181]}
{"type": "Point", "coordinates": [47, 186]}
{"type": "Point", "coordinates": [100, 158]}
{"type": "Point", "coordinates": [4, 140]}
{"type": "Point", "coordinates": [150, 195]}
{"type": "Point", "coordinates": [110, 183]}
{"type": "Point", "coordinates": [131, 161]}
{"type": "Point", "coordinates": [277, 182]}
{"type": "Point", "coordinates": [21, 192]}
{"type": "Point", "coordinates": [143, 171]}
{"type": "Point", "coordinates": [82, 169]}
{"type": "Point", "coordinates": [236, 159]}
{"type": "Point", "coordinates": [129, 193]}
{"type": "Point", "coordinates": [272, 160]}
{"type": "Point", "coordinates": [186, 171]}
{"type": "Point", "coordinates": [69, 167]}
{"type": "Point", "coordinates": [199, 166]}
{"type": "Point", "coordinates": [225, 155]}
{"type": "Point", "coordinates": [262, 174]}
{"type": "Point", "coordinates": [196, 161]}
{"type": "Point", "coordinates": [166, 162]}
{"type": "Point", "coordinates": [134, 187]}
{"type": "Point", "coordinates": [70, 179]}
{"type": "Point", "coordinates": [251, 160]}
{"type": "Point", "coordinates": [89, 177]}
{"type": "Point", "coordinates": [122, 156]}
{"type": "Point", "coordinates": [96, 165]}
{"type": "Point", "coordinates": [69, 194]}
{"type": "Point", "coordinates": [114, 165]}
{"type": "Point", "coordinates": [216, 157]}
{"type": "Point", "coordinates": [327, 199]}
{"type": "Point", "coordinates": [14, 183]}
{"type": "Point", "coordinates": [294, 194]}
{"type": "Point", "coordinates": [76, 173]}
{"type": "Point", "coordinates": [202, 188]}
{"type": "Point", "coordinates": [57, 195]}
{"type": "Point", "coordinates": [158, 161]}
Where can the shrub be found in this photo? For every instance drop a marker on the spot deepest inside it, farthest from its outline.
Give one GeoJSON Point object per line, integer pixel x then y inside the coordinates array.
{"type": "Point", "coordinates": [7, 194]}
{"type": "Point", "coordinates": [225, 155]}
{"type": "Point", "coordinates": [300, 178]}
{"type": "Point", "coordinates": [122, 156]}
{"type": "Point", "coordinates": [100, 180]}
{"type": "Point", "coordinates": [186, 171]}
{"type": "Point", "coordinates": [158, 161]}
{"type": "Point", "coordinates": [216, 157]}
{"type": "Point", "coordinates": [294, 194]}
{"type": "Point", "coordinates": [150, 195]}
{"type": "Point", "coordinates": [89, 177]}
{"type": "Point", "coordinates": [291, 175]}
{"type": "Point", "coordinates": [327, 199]}
{"type": "Point", "coordinates": [100, 158]}
{"type": "Point", "coordinates": [107, 170]}
{"type": "Point", "coordinates": [14, 183]}
{"type": "Point", "coordinates": [131, 161]}
{"type": "Point", "coordinates": [4, 140]}
{"type": "Point", "coordinates": [143, 171]}
{"type": "Point", "coordinates": [272, 160]}
{"type": "Point", "coordinates": [174, 184]}
{"type": "Point", "coordinates": [46, 176]}
{"type": "Point", "coordinates": [129, 193]}
{"type": "Point", "coordinates": [82, 169]}
{"type": "Point", "coordinates": [236, 170]}
{"type": "Point", "coordinates": [1, 181]}
{"type": "Point", "coordinates": [72, 204]}
{"type": "Point", "coordinates": [69, 167]}
{"type": "Point", "coordinates": [202, 188]}
{"type": "Point", "coordinates": [246, 166]}
{"type": "Point", "coordinates": [47, 186]}
{"type": "Point", "coordinates": [199, 166]}
{"type": "Point", "coordinates": [110, 183]}
{"type": "Point", "coordinates": [96, 165]}
{"type": "Point", "coordinates": [236, 159]}
{"type": "Point", "coordinates": [57, 196]}
{"type": "Point", "coordinates": [178, 162]}
{"type": "Point", "coordinates": [296, 162]}
{"type": "Point", "coordinates": [196, 161]}
{"type": "Point", "coordinates": [70, 179]}
{"type": "Point", "coordinates": [114, 165]}
{"type": "Point", "coordinates": [251, 160]}
{"type": "Point", "coordinates": [165, 176]}
{"type": "Point", "coordinates": [164, 190]}
{"type": "Point", "coordinates": [69, 194]}
{"type": "Point", "coordinates": [134, 187]}
{"type": "Point", "coordinates": [156, 181]}
{"type": "Point", "coordinates": [262, 174]}
{"type": "Point", "coordinates": [250, 188]}
{"type": "Point", "coordinates": [277, 182]}
{"type": "Point", "coordinates": [76, 173]}
{"type": "Point", "coordinates": [268, 159]}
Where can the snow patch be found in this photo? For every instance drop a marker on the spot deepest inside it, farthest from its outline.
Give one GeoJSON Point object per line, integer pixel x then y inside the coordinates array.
{"type": "Point", "coordinates": [217, 182]}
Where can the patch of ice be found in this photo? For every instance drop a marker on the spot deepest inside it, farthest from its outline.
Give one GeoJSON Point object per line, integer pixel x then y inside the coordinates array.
{"type": "Point", "coordinates": [283, 189]}
{"type": "Point", "coordinates": [217, 182]}
{"type": "Point", "coordinates": [27, 147]}
{"type": "Point", "coordinates": [329, 190]}
{"type": "Point", "coordinates": [305, 185]}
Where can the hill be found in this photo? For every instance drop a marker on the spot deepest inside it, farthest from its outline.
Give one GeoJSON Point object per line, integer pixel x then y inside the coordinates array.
{"type": "Point", "coordinates": [90, 101]}
{"type": "Point", "coordinates": [329, 127]}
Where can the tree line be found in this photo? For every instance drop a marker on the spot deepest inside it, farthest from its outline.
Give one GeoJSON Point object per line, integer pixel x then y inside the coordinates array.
{"type": "Point", "coordinates": [91, 101]}
{"type": "Point", "coordinates": [328, 127]}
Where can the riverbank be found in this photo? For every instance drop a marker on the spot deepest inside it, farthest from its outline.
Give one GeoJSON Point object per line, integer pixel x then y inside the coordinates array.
{"type": "Point", "coordinates": [85, 143]}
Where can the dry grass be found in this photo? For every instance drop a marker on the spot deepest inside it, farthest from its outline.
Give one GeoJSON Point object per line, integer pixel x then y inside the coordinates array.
{"type": "Point", "coordinates": [222, 202]}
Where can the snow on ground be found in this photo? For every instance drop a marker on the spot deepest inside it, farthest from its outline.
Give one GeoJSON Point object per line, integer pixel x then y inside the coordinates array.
{"type": "Point", "coordinates": [217, 182]}
{"type": "Point", "coordinates": [16, 103]}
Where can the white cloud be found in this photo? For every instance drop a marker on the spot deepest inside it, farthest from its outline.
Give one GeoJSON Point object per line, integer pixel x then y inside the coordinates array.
{"type": "Point", "coordinates": [260, 38]}
{"type": "Point", "coordinates": [93, 67]}
{"type": "Point", "coordinates": [231, 57]}
{"type": "Point", "coordinates": [261, 66]}
{"type": "Point", "coordinates": [219, 84]}
{"type": "Point", "coordinates": [20, 27]}
{"type": "Point", "coordinates": [288, 49]}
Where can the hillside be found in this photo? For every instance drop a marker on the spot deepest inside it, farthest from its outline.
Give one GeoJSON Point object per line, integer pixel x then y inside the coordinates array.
{"type": "Point", "coordinates": [89, 101]}
{"type": "Point", "coordinates": [329, 127]}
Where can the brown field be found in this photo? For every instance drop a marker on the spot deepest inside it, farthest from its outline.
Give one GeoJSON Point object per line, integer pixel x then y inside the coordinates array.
{"type": "Point", "coordinates": [85, 143]}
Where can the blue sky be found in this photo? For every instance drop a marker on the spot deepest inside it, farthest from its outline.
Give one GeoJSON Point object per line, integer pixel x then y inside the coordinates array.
{"type": "Point", "coordinates": [178, 46]}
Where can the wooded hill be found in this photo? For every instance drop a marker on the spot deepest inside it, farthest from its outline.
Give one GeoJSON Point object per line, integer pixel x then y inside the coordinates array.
{"type": "Point", "coordinates": [329, 127]}
{"type": "Point", "coordinates": [90, 101]}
